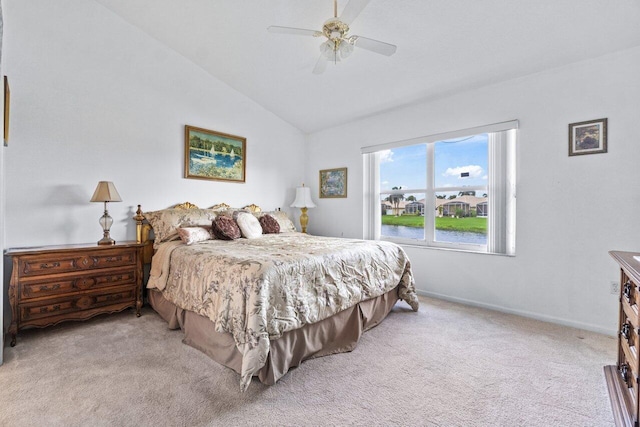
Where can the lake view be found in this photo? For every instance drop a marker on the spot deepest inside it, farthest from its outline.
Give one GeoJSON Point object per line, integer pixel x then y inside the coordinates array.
{"type": "Point", "coordinates": [441, 235]}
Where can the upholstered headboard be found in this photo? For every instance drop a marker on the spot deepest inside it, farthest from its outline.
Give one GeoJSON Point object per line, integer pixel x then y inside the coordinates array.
{"type": "Point", "coordinates": [143, 228]}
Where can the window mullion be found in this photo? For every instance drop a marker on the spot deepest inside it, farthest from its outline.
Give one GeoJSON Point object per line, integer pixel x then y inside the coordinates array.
{"type": "Point", "coordinates": [430, 197]}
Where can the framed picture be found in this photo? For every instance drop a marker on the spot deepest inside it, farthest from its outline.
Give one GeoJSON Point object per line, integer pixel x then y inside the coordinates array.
{"type": "Point", "coordinates": [333, 183]}
{"type": "Point", "coordinates": [7, 104]}
{"type": "Point", "coordinates": [214, 155]}
{"type": "Point", "coordinates": [588, 137]}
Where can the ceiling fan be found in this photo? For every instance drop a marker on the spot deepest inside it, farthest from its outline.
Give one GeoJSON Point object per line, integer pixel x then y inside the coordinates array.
{"type": "Point", "coordinates": [339, 44]}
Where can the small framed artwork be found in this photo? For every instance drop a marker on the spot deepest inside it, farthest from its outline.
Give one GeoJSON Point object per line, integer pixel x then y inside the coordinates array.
{"type": "Point", "coordinates": [214, 155]}
{"type": "Point", "coordinates": [333, 183]}
{"type": "Point", "coordinates": [588, 137]}
{"type": "Point", "coordinates": [7, 104]}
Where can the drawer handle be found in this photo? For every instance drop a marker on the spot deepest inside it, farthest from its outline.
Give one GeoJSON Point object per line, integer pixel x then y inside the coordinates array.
{"type": "Point", "coordinates": [114, 259]}
{"type": "Point", "coordinates": [624, 371]}
{"type": "Point", "coordinates": [114, 297]}
{"type": "Point", "coordinates": [45, 288]}
{"type": "Point", "coordinates": [87, 283]}
{"type": "Point", "coordinates": [46, 266]}
{"type": "Point", "coordinates": [627, 289]}
{"type": "Point", "coordinates": [625, 330]}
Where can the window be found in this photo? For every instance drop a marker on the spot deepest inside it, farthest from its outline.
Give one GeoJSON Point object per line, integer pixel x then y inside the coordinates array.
{"type": "Point", "coordinates": [453, 190]}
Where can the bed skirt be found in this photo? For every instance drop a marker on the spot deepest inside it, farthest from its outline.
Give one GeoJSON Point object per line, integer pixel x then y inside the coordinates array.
{"type": "Point", "coordinates": [337, 334]}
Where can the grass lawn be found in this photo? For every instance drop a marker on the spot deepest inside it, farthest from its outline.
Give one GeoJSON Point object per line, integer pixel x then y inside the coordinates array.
{"type": "Point", "coordinates": [474, 224]}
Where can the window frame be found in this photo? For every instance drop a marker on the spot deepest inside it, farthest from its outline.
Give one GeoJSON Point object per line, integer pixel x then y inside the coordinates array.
{"type": "Point", "coordinates": [501, 181]}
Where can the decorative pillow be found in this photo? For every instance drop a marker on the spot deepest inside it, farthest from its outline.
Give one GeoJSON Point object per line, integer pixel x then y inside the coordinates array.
{"type": "Point", "coordinates": [269, 224]}
{"type": "Point", "coordinates": [225, 228]}
{"type": "Point", "coordinates": [191, 235]}
{"type": "Point", "coordinates": [249, 225]}
{"type": "Point", "coordinates": [165, 223]}
{"type": "Point", "coordinates": [283, 220]}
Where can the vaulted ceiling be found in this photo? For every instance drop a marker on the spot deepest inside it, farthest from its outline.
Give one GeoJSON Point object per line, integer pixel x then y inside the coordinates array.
{"type": "Point", "coordinates": [444, 46]}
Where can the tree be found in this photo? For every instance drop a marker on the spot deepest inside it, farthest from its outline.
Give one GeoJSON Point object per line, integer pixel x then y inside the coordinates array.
{"type": "Point", "coordinates": [467, 193]}
{"type": "Point", "coordinates": [396, 199]}
{"type": "Point", "coordinates": [411, 198]}
{"type": "Point", "coordinates": [453, 196]}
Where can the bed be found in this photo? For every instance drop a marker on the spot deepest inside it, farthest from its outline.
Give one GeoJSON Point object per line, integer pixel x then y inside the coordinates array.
{"type": "Point", "coordinates": [262, 305]}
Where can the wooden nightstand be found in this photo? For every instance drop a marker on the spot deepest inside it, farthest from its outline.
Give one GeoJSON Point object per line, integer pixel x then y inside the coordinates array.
{"type": "Point", "coordinates": [52, 284]}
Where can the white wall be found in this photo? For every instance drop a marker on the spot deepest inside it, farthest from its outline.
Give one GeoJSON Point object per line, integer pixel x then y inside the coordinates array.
{"type": "Point", "coordinates": [570, 210]}
{"type": "Point", "coordinates": [94, 98]}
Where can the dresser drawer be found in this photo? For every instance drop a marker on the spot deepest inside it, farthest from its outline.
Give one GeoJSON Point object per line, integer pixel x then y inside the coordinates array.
{"type": "Point", "coordinates": [629, 380]}
{"type": "Point", "coordinates": [33, 312]}
{"type": "Point", "coordinates": [629, 334]}
{"type": "Point", "coordinates": [76, 282]}
{"type": "Point", "coordinates": [46, 264]}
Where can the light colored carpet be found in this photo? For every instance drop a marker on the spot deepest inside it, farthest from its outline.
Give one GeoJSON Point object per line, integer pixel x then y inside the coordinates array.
{"type": "Point", "coordinates": [447, 365]}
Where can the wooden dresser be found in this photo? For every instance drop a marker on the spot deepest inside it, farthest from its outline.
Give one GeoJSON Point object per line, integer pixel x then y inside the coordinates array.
{"type": "Point", "coordinates": [623, 378]}
{"type": "Point", "coordinates": [51, 284]}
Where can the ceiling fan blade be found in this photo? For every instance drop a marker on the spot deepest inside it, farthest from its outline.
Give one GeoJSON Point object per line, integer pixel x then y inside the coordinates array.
{"type": "Point", "coordinates": [321, 65]}
{"type": "Point", "coordinates": [374, 45]}
{"type": "Point", "coordinates": [294, 31]}
{"type": "Point", "coordinates": [352, 10]}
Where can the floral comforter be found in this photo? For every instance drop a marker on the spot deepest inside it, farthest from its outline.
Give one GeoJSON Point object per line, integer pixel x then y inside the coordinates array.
{"type": "Point", "coordinates": [257, 289]}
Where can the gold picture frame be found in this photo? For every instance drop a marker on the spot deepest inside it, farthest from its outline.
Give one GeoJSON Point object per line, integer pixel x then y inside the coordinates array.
{"type": "Point", "coordinates": [588, 137]}
{"type": "Point", "coordinates": [7, 103]}
{"type": "Point", "coordinates": [333, 183]}
{"type": "Point", "coordinates": [214, 155]}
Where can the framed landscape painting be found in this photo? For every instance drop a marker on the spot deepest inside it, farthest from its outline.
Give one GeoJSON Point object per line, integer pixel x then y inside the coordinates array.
{"type": "Point", "coordinates": [214, 155]}
{"type": "Point", "coordinates": [588, 137]}
{"type": "Point", "coordinates": [333, 183]}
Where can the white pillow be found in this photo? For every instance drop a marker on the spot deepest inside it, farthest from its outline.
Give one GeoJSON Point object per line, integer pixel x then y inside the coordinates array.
{"type": "Point", "coordinates": [249, 225]}
{"type": "Point", "coordinates": [191, 235]}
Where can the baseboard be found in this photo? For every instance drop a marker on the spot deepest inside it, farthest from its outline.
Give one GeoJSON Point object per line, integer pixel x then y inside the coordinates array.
{"type": "Point", "coordinates": [529, 314]}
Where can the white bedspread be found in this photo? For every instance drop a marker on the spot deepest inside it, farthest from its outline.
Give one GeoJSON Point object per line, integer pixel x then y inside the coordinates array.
{"type": "Point", "coordinates": [257, 289]}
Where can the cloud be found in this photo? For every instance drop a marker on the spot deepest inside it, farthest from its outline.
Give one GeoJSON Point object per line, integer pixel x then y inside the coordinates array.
{"type": "Point", "coordinates": [474, 171]}
{"type": "Point", "coordinates": [386, 156]}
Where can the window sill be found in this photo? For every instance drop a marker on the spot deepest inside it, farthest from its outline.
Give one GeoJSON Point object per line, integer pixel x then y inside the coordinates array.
{"type": "Point", "coordinates": [438, 248]}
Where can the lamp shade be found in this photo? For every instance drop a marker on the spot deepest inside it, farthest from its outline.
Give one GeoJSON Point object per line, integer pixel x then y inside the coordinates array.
{"type": "Point", "coordinates": [303, 198]}
{"type": "Point", "coordinates": [106, 192]}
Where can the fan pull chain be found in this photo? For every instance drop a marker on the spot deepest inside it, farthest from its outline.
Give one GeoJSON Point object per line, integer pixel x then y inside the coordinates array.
{"type": "Point", "coordinates": [335, 8]}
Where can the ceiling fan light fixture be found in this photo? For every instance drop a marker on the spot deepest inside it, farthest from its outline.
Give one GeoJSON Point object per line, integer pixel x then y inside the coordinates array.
{"type": "Point", "coordinates": [338, 44]}
{"type": "Point", "coordinates": [327, 49]}
{"type": "Point", "coordinates": [345, 49]}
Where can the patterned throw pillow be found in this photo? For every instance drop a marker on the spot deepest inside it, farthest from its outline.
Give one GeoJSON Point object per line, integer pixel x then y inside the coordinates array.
{"type": "Point", "coordinates": [225, 228]}
{"type": "Point", "coordinates": [269, 224]}
{"type": "Point", "coordinates": [249, 225]}
{"type": "Point", "coordinates": [191, 235]}
{"type": "Point", "coordinates": [166, 222]}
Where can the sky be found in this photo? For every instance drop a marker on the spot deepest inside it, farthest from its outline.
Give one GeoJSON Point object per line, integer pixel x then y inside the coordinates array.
{"type": "Point", "coordinates": [406, 166]}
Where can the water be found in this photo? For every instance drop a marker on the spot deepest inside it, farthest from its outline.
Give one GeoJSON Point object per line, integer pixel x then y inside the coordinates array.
{"type": "Point", "coordinates": [221, 160]}
{"type": "Point", "coordinates": [450, 236]}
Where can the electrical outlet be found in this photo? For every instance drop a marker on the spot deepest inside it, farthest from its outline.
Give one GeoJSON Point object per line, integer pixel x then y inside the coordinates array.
{"type": "Point", "coordinates": [615, 287]}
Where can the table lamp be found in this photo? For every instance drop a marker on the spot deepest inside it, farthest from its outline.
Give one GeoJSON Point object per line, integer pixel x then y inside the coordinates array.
{"type": "Point", "coordinates": [106, 192]}
{"type": "Point", "coordinates": [303, 201]}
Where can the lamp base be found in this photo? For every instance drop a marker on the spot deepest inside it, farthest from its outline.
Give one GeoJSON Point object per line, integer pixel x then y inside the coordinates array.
{"type": "Point", "coordinates": [105, 222]}
{"type": "Point", "coordinates": [304, 219]}
{"type": "Point", "coordinates": [106, 241]}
